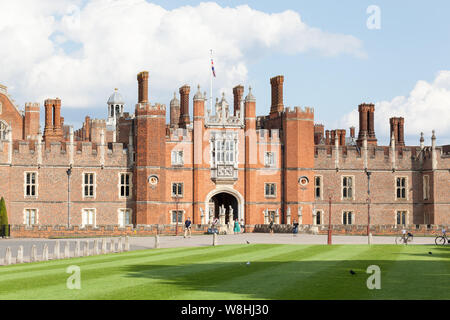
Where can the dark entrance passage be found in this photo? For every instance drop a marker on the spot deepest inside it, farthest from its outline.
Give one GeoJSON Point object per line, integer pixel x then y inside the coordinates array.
{"type": "Point", "coordinates": [226, 200]}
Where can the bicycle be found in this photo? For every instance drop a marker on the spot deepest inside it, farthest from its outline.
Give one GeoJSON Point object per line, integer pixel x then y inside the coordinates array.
{"type": "Point", "coordinates": [404, 239]}
{"type": "Point", "coordinates": [441, 240]}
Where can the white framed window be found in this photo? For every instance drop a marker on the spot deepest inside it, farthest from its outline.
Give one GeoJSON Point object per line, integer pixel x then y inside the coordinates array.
{"type": "Point", "coordinates": [125, 185]}
{"type": "Point", "coordinates": [30, 184]}
{"type": "Point", "coordinates": [318, 187]}
{"type": "Point", "coordinates": [30, 217]}
{"type": "Point", "coordinates": [224, 148]}
{"type": "Point", "coordinates": [401, 188]}
{"type": "Point", "coordinates": [177, 189]}
{"type": "Point", "coordinates": [348, 187]}
{"type": "Point", "coordinates": [401, 217]}
{"type": "Point", "coordinates": [88, 217]}
{"type": "Point", "coordinates": [270, 190]}
{"type": "Point", "coordinates": [426, 187]}
{"type": "Point", "coordinates": [177, 158]}
{"type": "Point", "coordinates": [125, 217]}
{"type": "Point", "coordinates": [174, 214]}
{"type": "Point", "coordinates": [88, 185]}
{"type": "Point", "coordinates": [269, 159]}
{"type": "Point", "coordinates": [3, 128]}
{"type": "Point", "coordinates": [347, 217]}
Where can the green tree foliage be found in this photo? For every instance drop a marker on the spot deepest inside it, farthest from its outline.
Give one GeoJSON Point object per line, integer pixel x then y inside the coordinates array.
{"type": "Point", "coordinates": [3, 213]}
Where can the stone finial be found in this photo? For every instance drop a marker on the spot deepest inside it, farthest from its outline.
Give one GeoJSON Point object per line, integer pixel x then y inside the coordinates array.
{"type": "Point", "coordinates": [174, 101]}
{"type": "Point", "coordinates": [250, 96]}
{"type": "Point", "coordinates": [421, 137]}
{"type": "Point", "coordinates": [198, 94]}
{"type": "Point", "coordinates": [433, 136]}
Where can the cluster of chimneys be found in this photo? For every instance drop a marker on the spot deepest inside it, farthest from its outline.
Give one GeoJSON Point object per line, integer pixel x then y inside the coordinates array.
{"type": "Point", "coordinates": [179, 109]}
{"type": "Point", "coordinates": [53, 120]}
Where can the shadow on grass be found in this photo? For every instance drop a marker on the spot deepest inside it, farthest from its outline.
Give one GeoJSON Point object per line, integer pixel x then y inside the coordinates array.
{"type": "Point", "coordinates": [292, 280]}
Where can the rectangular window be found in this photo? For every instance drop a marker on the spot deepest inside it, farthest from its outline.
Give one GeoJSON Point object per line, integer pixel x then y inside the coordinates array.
{"type": "Point", "coordinates": [269, 159]}
{"type": "Point", "coordinates": [347, 217]}
{"type": "Point", "coordinates": [30, 184]}
{"type": "Point", "coordinates": [177, 189]}
{"type": "Point", "coordinates": [318, 187]}
{"type": "Point", "coordinates": [401, 217]}
{"type": "Point", "coordinates": [30, 217]}
{"type": "Point", "coordinates": [125, 217]}
{"type": "Point", "coordinates": [319, 217]}
{"type": "Point", "coordinates": [223, 149]}
{"type": "Point", "coordinates": [88, 185]}
{"type": "Point", "coordinates": [125, 185]}
{"type": "Point", "coordinates": [401, 187]}
{"type": "Point", "coordinates": [347, 187]}
{"type": "Point", "coordinates": [88, 217]}
{"type": "Point", "coordinates": [270, 189]}
{"type": "Point", "coordinates": [426, 187]}
{"type": "Point", "coordinates": [177, 158]}
{"type": "Point", "coordinates": [175, 215]}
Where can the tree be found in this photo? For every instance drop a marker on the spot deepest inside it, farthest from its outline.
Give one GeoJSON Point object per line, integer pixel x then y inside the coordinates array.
{"type": "Point", "coordinates": [3, 216]}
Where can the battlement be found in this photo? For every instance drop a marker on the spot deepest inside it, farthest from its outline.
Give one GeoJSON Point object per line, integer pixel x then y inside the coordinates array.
{"type": "Point", "coordinates": [268, 136]}
{"type": "Point", "coordinates": [143, 109]}
{"type": "Point", "coordinates": [306, 113]}
{"type": "Point", "coordinates": [179, 134]}
{"type": "Point", "coordinates": [32, 106]}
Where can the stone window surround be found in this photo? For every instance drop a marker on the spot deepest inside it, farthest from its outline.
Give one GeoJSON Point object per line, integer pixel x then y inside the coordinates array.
{"type": "Point", "coordinates": [275, 190]}
{"type": "Point", "coordinates": [406, 188]}
{"type": "Point", "coordinates": [396, 212]}
{"type": "Point", "coordinates": [36, 217]}
{"type": "Point", "coordinates": [321, 187]}
{"type": "Point", "coordinates": [83, 185]}
{"type": "Point", "coordinates": [274, 159]}
{"type": "Point", "coordinates": [124, 210]}
{"type": "Point", "coordinates": [119, 185]}
{"type": "Point", "coordinates": [352, 186]}
{"type": "Point", "coordinates": [35, 196]}
{"type": "Point", "coordinates": [94, 218]}
{"type": "Point", "coordinates": [177, 156]}
{"type": "Point", "coordinates": [182, 190]}
{"type": "Point", "coordinates": [171, 212]}
{"type": "Point", "coordinates": [352, 213]}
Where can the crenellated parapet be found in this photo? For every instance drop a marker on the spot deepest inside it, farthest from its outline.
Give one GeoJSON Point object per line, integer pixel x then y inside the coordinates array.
{"type": "Point", "coordinates": [179, 134]}
{"type": "Point", "coordinates": [147, 109]}
{"type": "Point", "coordinates": [265, 136]}
{"type": "Point", "coordinates": [299, 113]}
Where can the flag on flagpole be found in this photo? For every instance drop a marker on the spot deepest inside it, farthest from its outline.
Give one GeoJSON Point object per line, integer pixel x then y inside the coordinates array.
{"type": "Point", "coordinates": [212, 68]}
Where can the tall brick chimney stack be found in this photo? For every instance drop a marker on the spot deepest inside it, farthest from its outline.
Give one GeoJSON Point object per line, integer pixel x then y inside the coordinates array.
{"type": "Point", "coordinates": [277, 94]}
{"type": "Point", "coordinates": [397, 128]}
{"type": "Point", "coordinates": [366, 123]}
{"type": "Point", "coordinates": [174, 111]}
{"type": "Point", "coordinates": [327, 137]}
{"type": "Point", "coordinates": [184, 106]}
{"type": "Point", "coordinates": [401, 131]}
{"type": "Point", "coordinates": [238, 92]}
{"type": "Point", "coordinates": [352, 132]}
{"type": "Point", "coordinates": [142, 78]}
{"type": "Point", "coordinates": [341, 136]}
{"type": "Point", "coordinates": [53, 128]}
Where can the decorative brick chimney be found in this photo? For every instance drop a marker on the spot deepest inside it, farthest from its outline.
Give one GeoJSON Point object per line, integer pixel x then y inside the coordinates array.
{"type": "Point", "coordinates": [238, 92]}
{"type": "Point", "coordinates": [142, 78]}
{"type": "Point", "coordinates": [397, 128]}
{"type": "Point", "coordinates": [184, 106]}
{"type": "Point", "coordinates": [277, 94]}
{"type": "Point", "coordinates": [366, 123]}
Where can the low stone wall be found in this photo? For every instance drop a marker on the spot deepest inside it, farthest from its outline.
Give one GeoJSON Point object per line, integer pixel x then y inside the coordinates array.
{"type": "Point", "coordinates": [58, 231]}
{"type": "Point", "coordinates": [378, 230]}
{"type": "Point", "coordinates": [23, 231]}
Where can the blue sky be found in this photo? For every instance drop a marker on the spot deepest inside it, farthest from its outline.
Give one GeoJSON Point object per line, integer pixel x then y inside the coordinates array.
{"type": "Point", "coordinates": [404, 58]}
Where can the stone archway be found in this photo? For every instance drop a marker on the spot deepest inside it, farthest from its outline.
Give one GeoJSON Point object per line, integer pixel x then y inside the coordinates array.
{"type": "Point", "coordinates": [228, 201]}
{"type": "Point", "coordinates": [227, 195]}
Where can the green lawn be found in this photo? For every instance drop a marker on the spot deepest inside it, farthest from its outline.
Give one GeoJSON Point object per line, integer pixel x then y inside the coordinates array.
{"type": "Point", "coordinates": [222, 272]}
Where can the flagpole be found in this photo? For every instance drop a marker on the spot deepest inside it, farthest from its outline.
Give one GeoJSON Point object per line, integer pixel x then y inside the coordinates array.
{"type": "Point", "coordinates": [211, 90]}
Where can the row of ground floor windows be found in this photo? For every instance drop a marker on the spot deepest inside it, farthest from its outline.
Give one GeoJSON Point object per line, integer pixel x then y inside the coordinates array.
{"type": "Point", "coordinates": [124, 217]}
{"type": "Point", "coordinates": [348, 217]}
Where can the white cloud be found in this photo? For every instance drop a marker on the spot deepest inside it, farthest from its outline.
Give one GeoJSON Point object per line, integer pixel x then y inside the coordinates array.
{"type": "Point", "coordinates": [426, 108]}
{"type": "Point", "coordinates": [115, 39]}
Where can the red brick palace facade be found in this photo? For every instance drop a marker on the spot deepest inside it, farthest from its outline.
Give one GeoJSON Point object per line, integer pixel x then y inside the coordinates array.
{"type": "Point", "coordinates": [224, 162]}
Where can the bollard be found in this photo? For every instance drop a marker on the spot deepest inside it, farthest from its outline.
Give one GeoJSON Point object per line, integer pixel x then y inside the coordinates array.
{"type": "Point", "coordinates": [33, 254]}
{"type": "Point", "coordinates": [8, 256]}
{"type": "Point", "coordinates": [127, 243]}
{"type": "Point", "coordinates": [119, 245]}
{"type": "Point", "coordinates": [66, 250]}
{"type": "Point", "coordinates": [370, 238]}
{"type": "Point", "coordinates": [103, 246]}
{"type": "Point", "coordinates": [45, 253]}
{"type": "Point", "coordinates": [56, 251]}
{"type": "Point", "coordinates": [86, 249]}
{"type": "Point", "coordinates": [214, 239]}
{"type": "Point", "coordinates": [77, 249]}
{"type": "Point", "coordinates": [156, 241]}
{"type": "Point", "coordinates": [19, 258]}
{"type": "Point", "coordinates": [96, 247]}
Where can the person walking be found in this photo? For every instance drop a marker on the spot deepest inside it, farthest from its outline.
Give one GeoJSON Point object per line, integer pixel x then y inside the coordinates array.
{"type": "Point", "coordinates": [271, 227]}
{"type": "Point", "coordinates": [187, 227]}
{"type": "Point", "coordinates": [237, 228]}
{"type": "Point", "coordinates": [242, 225]}
{"type": "Point", "coordinates": [295, 229]}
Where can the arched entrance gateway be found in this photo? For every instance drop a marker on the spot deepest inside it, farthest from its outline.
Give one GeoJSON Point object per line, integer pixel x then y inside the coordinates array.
{"type": "Point", "coordinates": [229, 201]}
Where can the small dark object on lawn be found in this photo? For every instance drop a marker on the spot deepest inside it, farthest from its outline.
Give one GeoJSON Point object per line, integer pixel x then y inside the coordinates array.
{"type": "Point", "coordinates": [352, 272]}
{"type": "Point", "coordinates": [429, 252]}
{"type": "Point", "coordinates": [247, 242]}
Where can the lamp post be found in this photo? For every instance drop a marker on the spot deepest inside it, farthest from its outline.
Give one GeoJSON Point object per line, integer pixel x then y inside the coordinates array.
{"type": "Point", "coordinates": [69, 173]}
{"type": "Point", "coordinates": [368, 173]}
{"type": "Point", "coordinates": [329, 220]}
